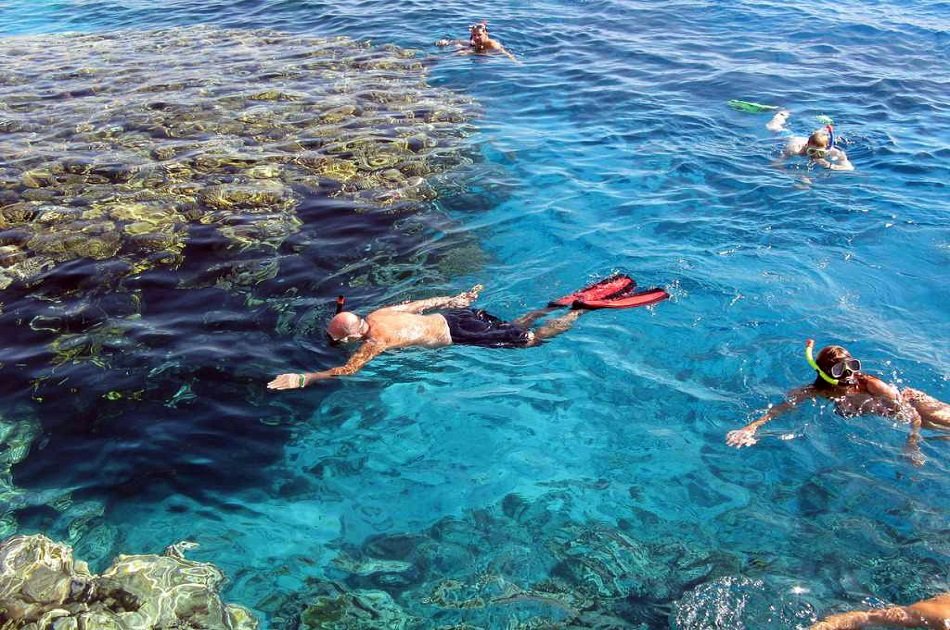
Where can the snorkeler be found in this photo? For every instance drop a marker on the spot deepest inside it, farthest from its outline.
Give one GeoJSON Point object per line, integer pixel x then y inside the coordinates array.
{"type": "Point", "coordinates": [819, 147]}
{"type": "Point", "coordinates": [405, 325]}
{"type": "Point", "coordinates": [929, 613]}
{"type": "Point", "coordinates": [479, 42]}
{"type": "Point", "coordinates": [839, 378]}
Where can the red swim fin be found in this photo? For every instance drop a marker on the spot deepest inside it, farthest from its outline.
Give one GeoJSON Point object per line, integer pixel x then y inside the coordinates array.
{"type": "Point", "coordinates": [642, 298]}
{"type": "Point", "coordinates": [600, 290]}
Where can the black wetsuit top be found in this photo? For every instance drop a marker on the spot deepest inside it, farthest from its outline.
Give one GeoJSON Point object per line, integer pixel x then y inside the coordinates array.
{"type": "Point", "coordinates": [470, 327]}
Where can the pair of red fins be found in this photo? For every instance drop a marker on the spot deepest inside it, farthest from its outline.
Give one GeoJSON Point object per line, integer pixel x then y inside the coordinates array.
{"type": "Point", "coordinates": [617, 291]}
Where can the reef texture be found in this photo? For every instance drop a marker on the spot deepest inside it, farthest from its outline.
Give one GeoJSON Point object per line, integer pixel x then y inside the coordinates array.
{"type": "Point", "coordinates": [526, 564]}
{"type": "Point", "coordinates": [18, 430]}
{"type": "Point", "coordinates": [43, 587]}
{"type": "Point", "coordinates": [116, 146]}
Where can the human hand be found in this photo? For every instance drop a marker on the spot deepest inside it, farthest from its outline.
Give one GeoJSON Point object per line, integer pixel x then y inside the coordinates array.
{"type": "Point", "coordinates": [741, 437]}
{"type": "Point", "coordinates": [288, 381]}
{"type": "Point", "coordinates": [778, 120]}
{"type": "Point", "coordinates": [464, 299]}
{"type": "Point", "coordinates": [443, 42]}
{"type": "Point", "coordinates": [914, 456]}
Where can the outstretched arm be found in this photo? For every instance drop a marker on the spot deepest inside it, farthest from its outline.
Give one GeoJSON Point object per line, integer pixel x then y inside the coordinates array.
{"type": "Point", "coordinates": [746, 435]}
{"type": "Point", "coordinates": [904, 410]}
{"type": "Point", "coordinates": [505, 52]}
{"type": "Point", "coordinates": [361, 357]}
{"type": "Point", "coordinates": [456, 301]}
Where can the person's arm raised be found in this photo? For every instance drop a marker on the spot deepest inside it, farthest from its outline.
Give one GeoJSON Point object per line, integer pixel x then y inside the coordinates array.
{"type": "Point", "coordinates": [361, 357]}
{"type": "Point", "coordinates": [455, 301]}
{"type": "Point", "coordinates": [746, 435]}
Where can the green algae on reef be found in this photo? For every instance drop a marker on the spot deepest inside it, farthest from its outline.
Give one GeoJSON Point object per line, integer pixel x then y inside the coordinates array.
{"type": "Point", "coordinates": [114, 144]}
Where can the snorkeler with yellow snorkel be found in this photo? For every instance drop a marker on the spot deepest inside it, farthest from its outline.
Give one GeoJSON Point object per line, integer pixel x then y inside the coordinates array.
{"type": "Point", "coordinates": [839, 378]}
{"type": "Point", "coordinates": [819, 147]}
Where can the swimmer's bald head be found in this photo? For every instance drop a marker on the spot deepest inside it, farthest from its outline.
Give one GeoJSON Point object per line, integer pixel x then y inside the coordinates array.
{"type": "Point", "coordinates": [346, 326]}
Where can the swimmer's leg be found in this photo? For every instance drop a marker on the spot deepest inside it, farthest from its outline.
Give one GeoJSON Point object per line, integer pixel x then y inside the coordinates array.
{"type": "Point", "coordinates": [934, 414]}
{"type": "Point", "coordinates": [556, 326]}
{"type": "Point", "coordinates": [527, 320]}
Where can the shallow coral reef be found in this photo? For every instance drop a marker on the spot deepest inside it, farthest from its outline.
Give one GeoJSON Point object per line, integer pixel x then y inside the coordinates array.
{"type": "Point", "coordinates": [42, 586]}
{"type": "Point", "coordinates": [116, 145]}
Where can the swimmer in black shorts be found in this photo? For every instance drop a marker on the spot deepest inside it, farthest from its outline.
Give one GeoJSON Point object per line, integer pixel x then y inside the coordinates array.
{"type": "Point", "coordinates": [405, 325]}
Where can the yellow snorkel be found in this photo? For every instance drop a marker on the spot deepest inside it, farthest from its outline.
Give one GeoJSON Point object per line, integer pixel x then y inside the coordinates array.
{"type": "Point", "coordinates": [810, 357]}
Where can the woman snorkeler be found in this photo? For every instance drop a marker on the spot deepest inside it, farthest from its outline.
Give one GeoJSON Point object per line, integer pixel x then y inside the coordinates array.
{"type": "Point", "coordinates": [840, 379]}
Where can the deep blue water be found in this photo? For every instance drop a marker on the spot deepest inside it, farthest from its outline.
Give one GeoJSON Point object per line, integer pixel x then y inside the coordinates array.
{"type": "Point", "coordinates": [609, 147]}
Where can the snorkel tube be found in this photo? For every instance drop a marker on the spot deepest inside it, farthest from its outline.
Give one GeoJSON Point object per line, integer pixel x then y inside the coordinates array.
{"type": "Point", "coordinates": [340, 301]}
{"type": "Point", "coordinates": [810, 357]}
{"type": "Point", "coordinates": [831, 135]}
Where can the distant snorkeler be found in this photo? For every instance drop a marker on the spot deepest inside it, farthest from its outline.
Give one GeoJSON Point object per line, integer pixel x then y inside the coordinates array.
{"type": "Point", "coordinates": [479, 42]}
{"type": "Point", "coordinates": [405, 325]}
{"type": "Point", "coordinates": [839, 379]}
{"type": "Point", "coordinates": [819, 147]}
{"type": "Point", "coordinates": [929, 613]}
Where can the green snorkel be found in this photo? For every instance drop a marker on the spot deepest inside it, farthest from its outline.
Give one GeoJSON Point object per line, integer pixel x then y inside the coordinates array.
{"type": "Point", "coordinates": [810, 357]}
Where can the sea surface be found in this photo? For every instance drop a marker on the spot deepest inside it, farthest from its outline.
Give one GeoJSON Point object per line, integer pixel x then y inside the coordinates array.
{"type": "Point", "coordinates": [584, 482]}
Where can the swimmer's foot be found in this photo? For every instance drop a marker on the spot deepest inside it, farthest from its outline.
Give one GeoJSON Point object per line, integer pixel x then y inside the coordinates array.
{"type": "Point", "coordinates": [778, 120]}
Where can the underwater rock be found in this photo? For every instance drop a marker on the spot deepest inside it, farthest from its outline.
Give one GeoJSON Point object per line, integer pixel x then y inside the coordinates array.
{"type": "Point", "coordinates": [354, 610]}
{"type": "Point", "coordinates": [17, 433]}
{"type": "Point", "coordinates": [42, 586]}
{"type": "Point", "coordinates": [370, 566]}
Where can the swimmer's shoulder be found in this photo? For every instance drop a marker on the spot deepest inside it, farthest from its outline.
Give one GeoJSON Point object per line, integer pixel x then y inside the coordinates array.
{"type": "Point", "coordinates": [795, 145]}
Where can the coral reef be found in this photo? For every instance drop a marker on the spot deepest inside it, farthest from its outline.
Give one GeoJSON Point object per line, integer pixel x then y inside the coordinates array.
{"type": "Point", "coordinates": [203, 151]}
{"type": "Point", "coordinates": [42, 586]}
{"type": "Point", "coordinates": [526, 564]}
{"type": "Point", "coordinates": [118, 143]}
{"type": "Point", "coordinates": [18, 430]}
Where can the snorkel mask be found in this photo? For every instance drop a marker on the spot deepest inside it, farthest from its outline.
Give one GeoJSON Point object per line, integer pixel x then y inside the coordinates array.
{"type": "Point", "coordinates": [820, 152]}
{"type": "Point", "coordinates": [477, 31]}
{"type": "Point", "coordinates": [838, 369]}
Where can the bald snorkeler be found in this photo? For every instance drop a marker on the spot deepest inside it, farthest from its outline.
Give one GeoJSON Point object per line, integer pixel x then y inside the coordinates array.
{"type": "Point", "coordinates": [407, 325]}
{"type": "Point", "coordinates": [839, 378]}
{"type": "Point", "coordinates": [479, 42]}
{"type": "Point", "coordinates": [819, 147]}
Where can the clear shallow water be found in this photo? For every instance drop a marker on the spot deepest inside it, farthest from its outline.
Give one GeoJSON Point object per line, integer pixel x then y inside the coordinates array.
{"type": "Point", "coordinates": [610, 147]}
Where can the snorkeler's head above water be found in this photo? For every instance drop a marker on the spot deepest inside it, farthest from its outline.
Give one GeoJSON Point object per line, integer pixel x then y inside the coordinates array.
{"type": "Point", "coordinates": [346, 327]}
{"type": "Point", "coordinates": [835, 366]}
{"type": "Point", "coordinates": [819, 143]}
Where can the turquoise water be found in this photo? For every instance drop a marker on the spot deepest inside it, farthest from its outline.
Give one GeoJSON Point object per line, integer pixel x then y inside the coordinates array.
{"type": "Point", "coordinates": [598, 460]}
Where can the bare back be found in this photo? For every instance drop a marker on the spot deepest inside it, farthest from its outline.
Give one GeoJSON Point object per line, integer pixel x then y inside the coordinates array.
{"type": "Point", "coordinates": [390, 328]}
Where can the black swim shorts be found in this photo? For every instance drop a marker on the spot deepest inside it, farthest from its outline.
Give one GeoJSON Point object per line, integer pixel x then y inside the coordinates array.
{"type": "Point", "coordinates": [470, 327]}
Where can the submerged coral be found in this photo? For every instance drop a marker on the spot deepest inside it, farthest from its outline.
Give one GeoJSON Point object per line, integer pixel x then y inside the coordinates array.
{"type": "Point", "coordinates": [211, 157]}
{"type": "Point", "coordinates": [42, 586]}
{"type": "Point", "coordinates": [17, 433]}
{"type": "Point", "coordinates": [528, 564]}
{"type": "Point", "coordinates": [116, 144]}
